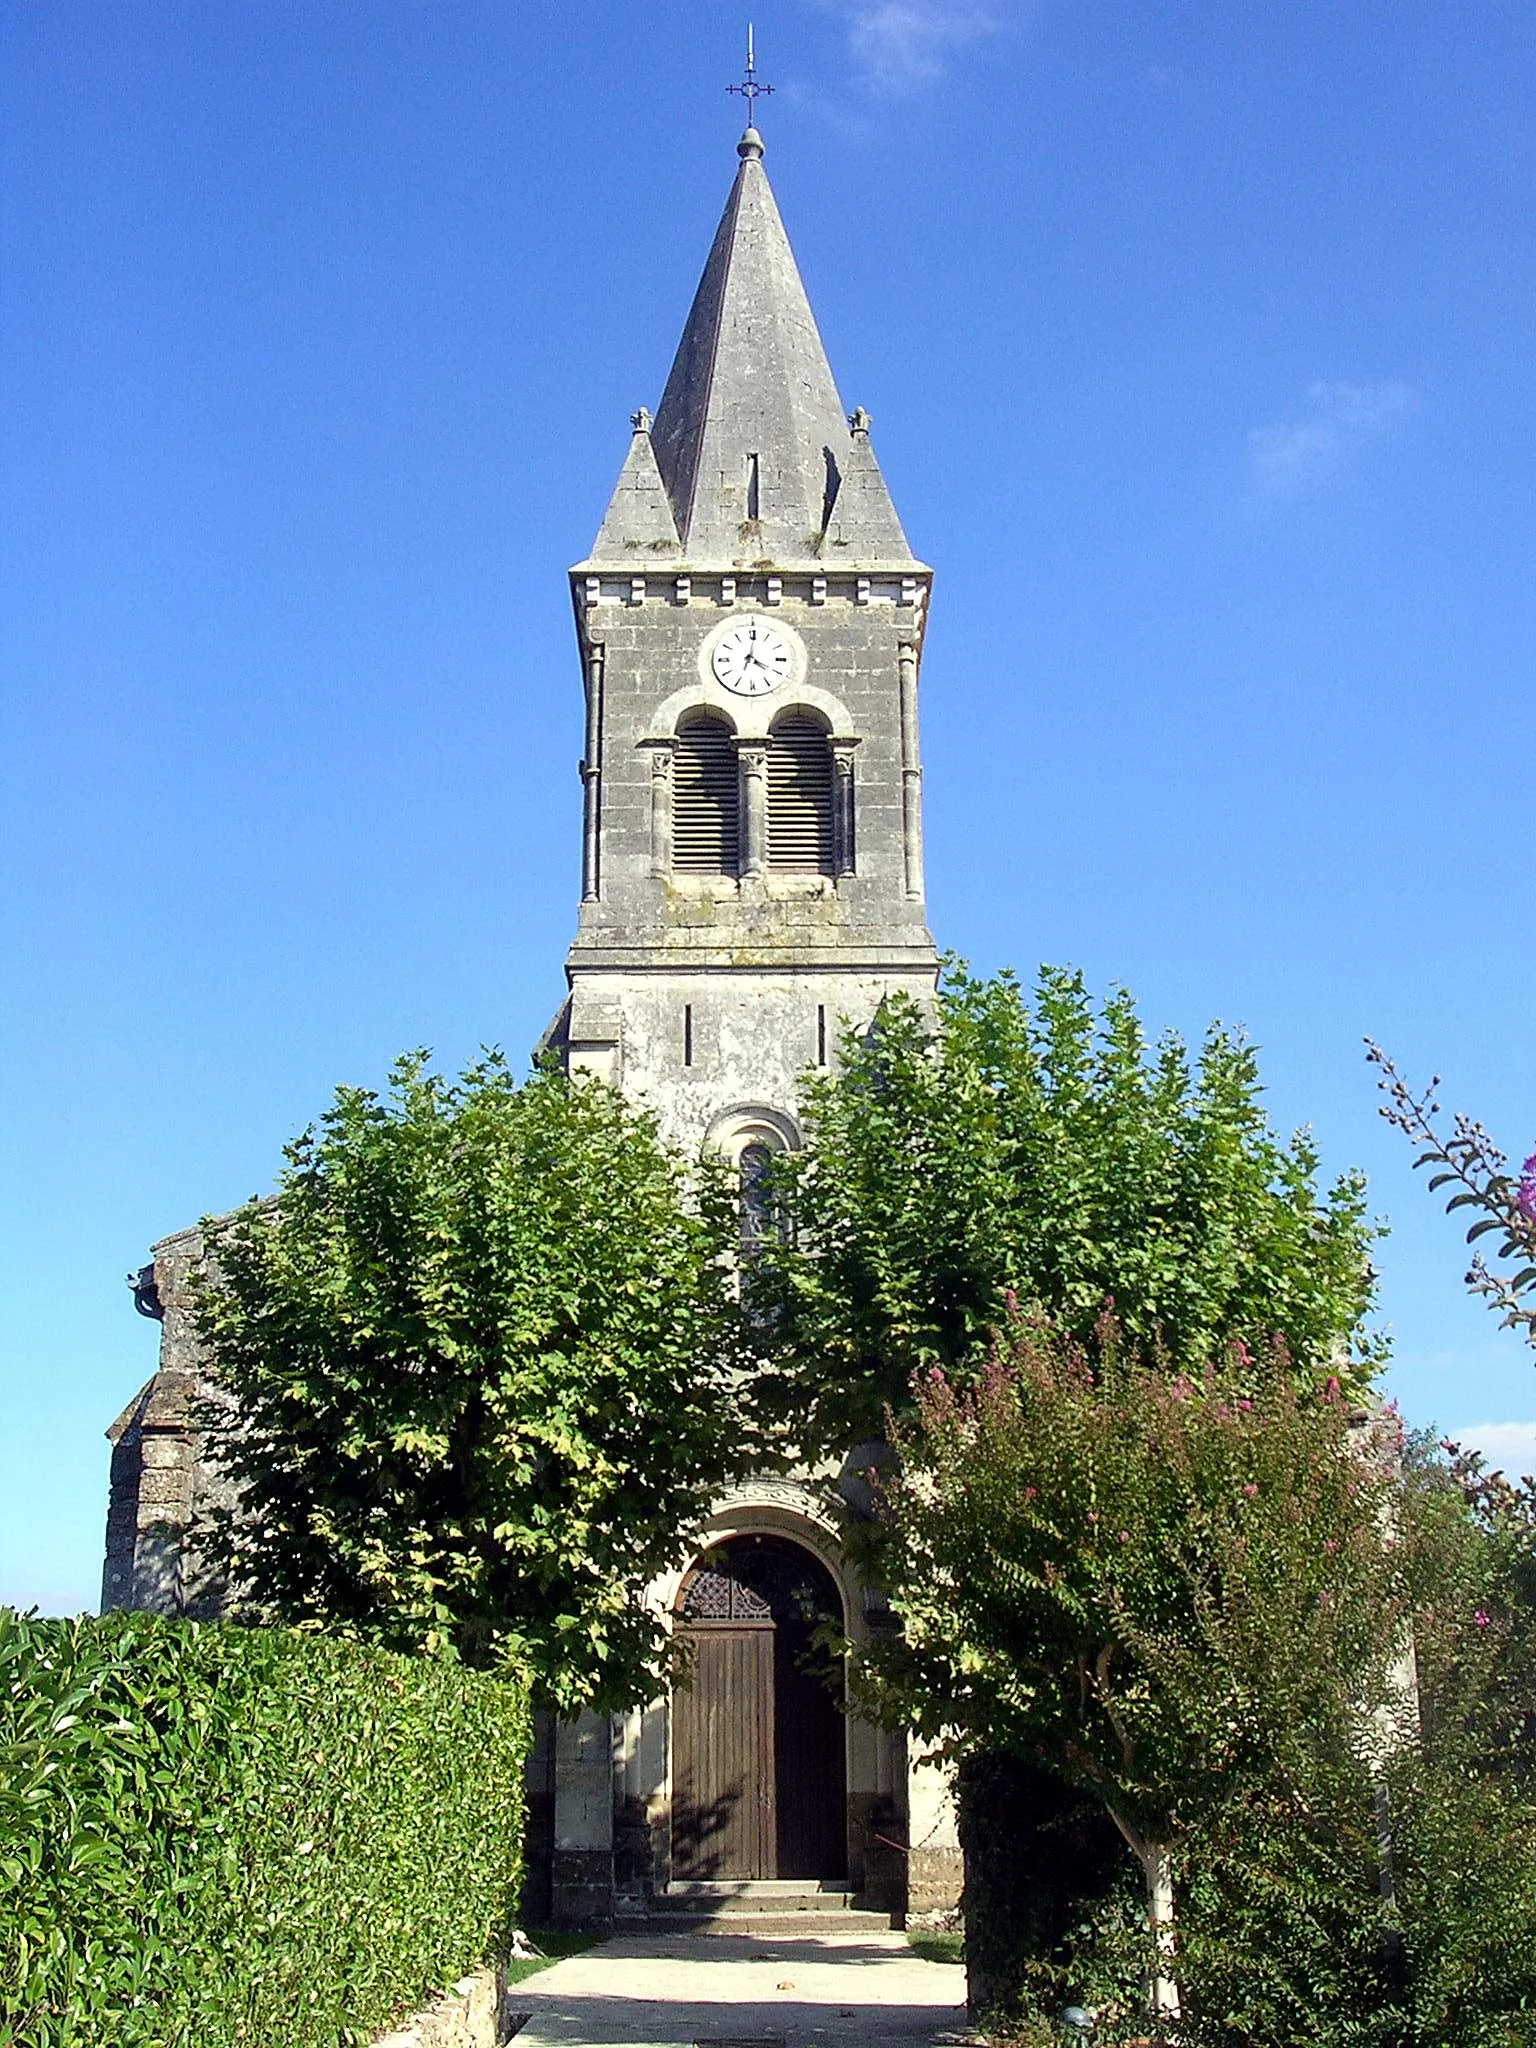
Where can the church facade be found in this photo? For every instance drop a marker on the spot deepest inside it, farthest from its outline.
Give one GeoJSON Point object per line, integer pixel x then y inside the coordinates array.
{"type": "Point", "coordinates": [750, 630]}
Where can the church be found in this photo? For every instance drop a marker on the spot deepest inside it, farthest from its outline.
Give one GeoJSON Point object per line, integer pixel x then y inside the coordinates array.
{"type": "Point", "coordinates": [749, 625]}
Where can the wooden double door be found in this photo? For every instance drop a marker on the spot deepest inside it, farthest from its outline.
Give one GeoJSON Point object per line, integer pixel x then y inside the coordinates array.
{"type": "Point", "coordinates": [759, 1782]}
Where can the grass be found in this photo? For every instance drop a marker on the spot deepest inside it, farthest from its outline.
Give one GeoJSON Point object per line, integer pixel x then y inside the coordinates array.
{"type": "Point", "coordinates": [556, 1943]}
{"type": "Point", "coordinates": [935, 1947]}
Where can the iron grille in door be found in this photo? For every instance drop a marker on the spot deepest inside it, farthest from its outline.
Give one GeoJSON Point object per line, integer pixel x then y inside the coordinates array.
{"type": "Point", "coordinates": [706, 804]}
{"type": "Point", "coordinates": [800, 829]}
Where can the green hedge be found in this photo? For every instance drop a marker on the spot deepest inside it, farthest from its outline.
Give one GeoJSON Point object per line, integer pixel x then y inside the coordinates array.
{"type": "Point", "coordinates": [218, 1835]}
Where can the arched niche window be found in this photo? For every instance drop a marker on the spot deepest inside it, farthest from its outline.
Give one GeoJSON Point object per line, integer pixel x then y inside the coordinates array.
{"type": "Point", "coordinates": [752, 1139]}
{"type": "Point", "coordinates": [706, 799]}
{"type": "Point", "coordinates": [802, 821]}
{"type": "Point", "coordinates": [754, 1168]}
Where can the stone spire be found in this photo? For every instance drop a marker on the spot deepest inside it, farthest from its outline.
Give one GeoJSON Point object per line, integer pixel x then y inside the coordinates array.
{"type": "Point", "coordinates": [750, 444]}
{"type": "Point", "coordinates": [639, 520]}
{"type": "Point", "coordinates": [862, 526]}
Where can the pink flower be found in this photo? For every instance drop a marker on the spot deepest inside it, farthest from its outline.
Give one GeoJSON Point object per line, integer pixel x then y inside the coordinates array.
{"type": "Point", "coordinates": [1250, 1491]}
{"type": "Point", "coordinates": [1332, 1388]}
{"type": "Point", "coordinates": [1482, 1617]}
{"type": "Point", "coordinates": [936, 1373]}
{"type": "Point", "coordinates": [1245, 1407]}
{"type": "Point", "coordinates": [1029, 1493]}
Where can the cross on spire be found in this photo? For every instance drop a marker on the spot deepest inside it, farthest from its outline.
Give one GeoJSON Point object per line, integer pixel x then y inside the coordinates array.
{"type": "Point", "coordinates": [750, 90]}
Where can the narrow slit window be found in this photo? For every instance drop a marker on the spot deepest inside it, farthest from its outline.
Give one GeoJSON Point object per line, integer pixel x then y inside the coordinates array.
{"type": "Point", "coordinates": [755, 1168]}
{"type": "Point", "coordinates": [821, 1034]}
{"type": "Point", "coordinates": [687, 1034]}
{"type": "Point", "coordinates": [829, 489]}
{"type": "Point", "coordinates": [752, 488]}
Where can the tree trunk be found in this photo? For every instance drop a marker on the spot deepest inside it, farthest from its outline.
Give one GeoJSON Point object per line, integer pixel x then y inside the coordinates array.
{"type": "Point", "coordinates": [1157, 1867]}
{"type": "Point", "coordinates": [1156, 1860]}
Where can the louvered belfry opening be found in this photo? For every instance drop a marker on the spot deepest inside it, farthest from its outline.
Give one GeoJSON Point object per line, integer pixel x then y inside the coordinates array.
{"type": "Point", "coordinates": [801, 834]}
{"type": "Point", "coordinates": [706, 799]}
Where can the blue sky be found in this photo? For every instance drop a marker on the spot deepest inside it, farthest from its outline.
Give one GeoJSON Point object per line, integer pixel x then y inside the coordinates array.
{"type": "Point", "coordinates": [1199, 344]}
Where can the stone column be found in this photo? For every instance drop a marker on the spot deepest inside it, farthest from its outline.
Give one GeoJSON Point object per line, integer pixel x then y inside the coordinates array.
{"type": "Point", "coordinates": [581, 1866]}
{"type": "Point", "coordinates": [592, 781]}
{"type": "Point", "coordinates": [661, 808]}
{"type": "Point", "coordinates": [843, 842]}
{"type": "Point", "coordinates": [934, 1871]}
{"type": "Point", "coordinates": [753, 756]}
{"type": "Point", "coordinates": [911, 771]}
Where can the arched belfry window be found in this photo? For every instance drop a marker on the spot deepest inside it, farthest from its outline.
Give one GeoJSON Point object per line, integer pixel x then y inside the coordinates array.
{"type": "Point", "coordinates": [802, 826]}
{"type": "Point", "coordinates": [706, 799]}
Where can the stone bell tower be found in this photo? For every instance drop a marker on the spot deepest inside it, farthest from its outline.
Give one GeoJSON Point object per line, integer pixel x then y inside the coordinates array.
{"type": "Point", "coordinates": [750, 622]}
{"type": "Point", "coordinates": [751, 627]}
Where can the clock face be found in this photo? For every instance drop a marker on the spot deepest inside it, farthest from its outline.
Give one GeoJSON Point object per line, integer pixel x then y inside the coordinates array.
{"type": "Point", "coordinates": [752, 659]}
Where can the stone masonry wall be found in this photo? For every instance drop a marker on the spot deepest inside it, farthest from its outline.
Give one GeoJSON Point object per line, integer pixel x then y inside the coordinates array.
{"type": "Point", "coordinates": [161, 1488]}
{"type": "Point", "coordinates": [474, 2014]}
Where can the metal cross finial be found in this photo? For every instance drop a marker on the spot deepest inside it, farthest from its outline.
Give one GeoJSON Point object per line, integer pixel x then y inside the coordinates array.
{"type": "Point", "coordinates": [749, 88]}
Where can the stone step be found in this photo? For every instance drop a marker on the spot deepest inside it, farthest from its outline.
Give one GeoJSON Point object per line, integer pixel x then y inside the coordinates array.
{"type": "Point", "coordinates": [754, 1887]}
{"type": "Point", "coordinates": [752, 1895]}
{"type": "Point", "coordinates": [762, 1920]}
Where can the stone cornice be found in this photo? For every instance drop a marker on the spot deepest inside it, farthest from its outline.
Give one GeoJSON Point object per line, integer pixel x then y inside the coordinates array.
{"type": "Point", "coordinates": [594, 957]}
{"type": "Point", "coordinates": [645, 563]}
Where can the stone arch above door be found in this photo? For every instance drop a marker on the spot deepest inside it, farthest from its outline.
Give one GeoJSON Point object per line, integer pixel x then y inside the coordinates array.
{"type": "Point", "coordinates": [768, 1505]}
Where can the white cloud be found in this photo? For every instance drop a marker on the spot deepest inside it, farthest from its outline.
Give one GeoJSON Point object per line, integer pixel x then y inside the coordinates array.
{"type": "Point", "coordinates": [1336, 419]}
{"type": "Point", "coordinates": [898, 45]}
{"type": "Point", "coordinates": [1510, 1447]}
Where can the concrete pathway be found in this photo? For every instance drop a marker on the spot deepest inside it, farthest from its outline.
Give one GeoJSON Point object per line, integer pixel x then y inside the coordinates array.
{"type": "Point", "coordinates": [743, 1991]}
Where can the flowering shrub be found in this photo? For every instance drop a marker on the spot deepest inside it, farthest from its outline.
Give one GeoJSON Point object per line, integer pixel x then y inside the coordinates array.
{"type": "Point", "coordinates": [1174, 1593]}
{"type": "Point", "coordinates": [1193, 1597]}
{"type": "Point", "coordinates": [1477, 1172]}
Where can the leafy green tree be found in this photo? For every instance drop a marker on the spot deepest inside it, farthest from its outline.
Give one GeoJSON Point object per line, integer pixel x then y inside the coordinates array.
{"type": "Point", "coordinates": [477, 1365]}
{"type": "Point", "coordinates": [1176, 1592]}
{"type": "Point", "coordinates": [1046, 1149]}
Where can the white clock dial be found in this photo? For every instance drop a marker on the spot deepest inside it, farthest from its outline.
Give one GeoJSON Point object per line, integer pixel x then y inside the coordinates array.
{"type": "Point", "coordinates": [752, 659]}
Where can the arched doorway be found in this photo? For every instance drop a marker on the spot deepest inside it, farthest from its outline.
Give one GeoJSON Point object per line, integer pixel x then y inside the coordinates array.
{"type": "Point", "coordinates": [759, 1782]}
